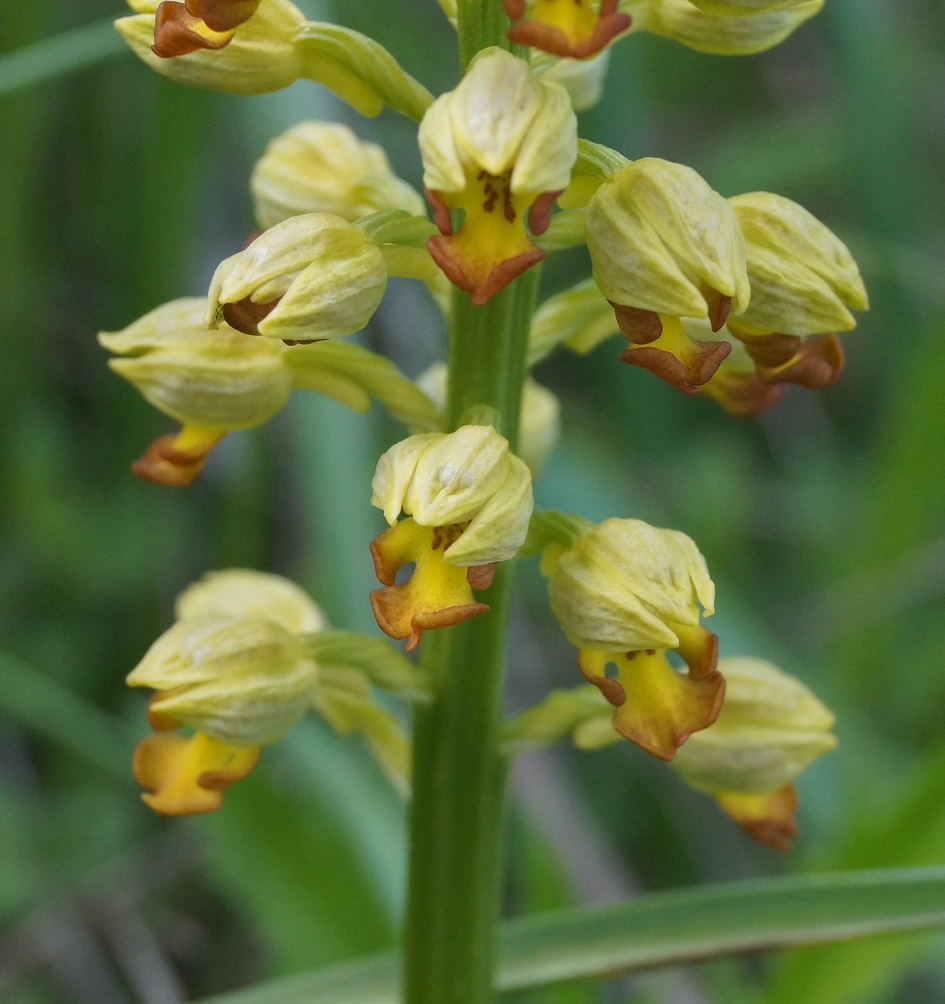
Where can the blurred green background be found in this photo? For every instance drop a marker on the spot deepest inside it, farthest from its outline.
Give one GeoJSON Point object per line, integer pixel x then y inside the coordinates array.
{"type": "Point", "coordinates": [823, 522]}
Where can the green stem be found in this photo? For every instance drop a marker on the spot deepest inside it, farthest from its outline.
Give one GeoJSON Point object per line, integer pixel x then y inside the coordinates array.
{"type": "Point", "coordinates": [458, 769]}
{"type": "Point", "coordinates": [480, 23]}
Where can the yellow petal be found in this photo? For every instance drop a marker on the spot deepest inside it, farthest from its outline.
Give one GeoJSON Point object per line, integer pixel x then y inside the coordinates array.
{"type": "Point", "coordinates": [189, 775]}
{"type": "Point", "coordinates": [436, 595]}
{"type": "Point", "coordinates": [655, 707]}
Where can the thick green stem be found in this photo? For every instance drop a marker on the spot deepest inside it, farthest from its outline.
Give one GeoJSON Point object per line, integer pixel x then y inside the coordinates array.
{"type": "Point", "coordinates": [480, 23]}
{"type": "Point", "coordinates": [458, 771]}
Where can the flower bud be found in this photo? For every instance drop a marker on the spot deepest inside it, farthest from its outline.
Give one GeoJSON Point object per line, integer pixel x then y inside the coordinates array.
{"type": "Point", "coordinates": [769, 729]}
{"type": "Point", "coordinates": [501, 142]}
{"type": "Point", "coordinates": [626, 586]}
{"type": "Point", "coordinates": [803, 280]}
{"type": "Point", "coordinates": [256, 57]}
{"type": "Point", "coordinates": [754, 30]}
{"type": "Point", "coordinates": [540, 420]}
{"type": "Point", "coordinates": [469, 501]}
{"type": "Point", "coordinates": [240, 592]}
{"type": "Point", "coordinates": [324, 167]}
{"type": "Point", "coordinates": [664, 245]}
{"type": "Point", "coordinates": [624, 593]}
{"type": "Point", "coordinates": [310, 277]}
{"type": "Point", "coordinates": [243, 681]}
{"type": "Point", "coordinates": [743, 8]}
{"type": "Point", "coordinates": [574, 28]}
{"type": "Point", "coordinates": [215, 379]}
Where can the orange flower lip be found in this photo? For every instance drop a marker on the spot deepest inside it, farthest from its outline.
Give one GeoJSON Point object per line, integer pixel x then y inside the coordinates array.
{"type": "Point", "coordinates": [567, 28]}
{"type": "Point", "coordinates": [436, 595]}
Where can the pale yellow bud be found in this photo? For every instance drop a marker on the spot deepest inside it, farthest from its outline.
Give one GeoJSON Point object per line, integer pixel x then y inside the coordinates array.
{"type": "Point", "coordinates": [662, 240]}
{"type": "Point", "coordinates": [213, 379]}
{"type": "Point", "coordinates": [241, 592]}
{"type": "Point", "coordinates": [241, 681]}
{"type": "Point", "coordinates": [310, 277]}
{"type": "Point", "coordinates": [499, 147]}
{"type": "Point", "coordinates": [753, 31]}
{"type": "Point", "coordinates": [501, 117]}
{"type": "Point", "coordinates": [769, 729]}
{"type": "Point", "coordinates": [802, 276]}
{"type": "Point", "coordinates": [626, 586]}
{"type": "Point", "coordinates": [324, 167]}
{"type": "Point", "coordinates": [742, 8]}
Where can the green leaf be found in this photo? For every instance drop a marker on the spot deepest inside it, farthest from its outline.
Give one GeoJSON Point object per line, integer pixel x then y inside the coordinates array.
{"type": "Point", "coordinates": [670, 928]}
{"type": "Point", "coordinates": [71, 50]}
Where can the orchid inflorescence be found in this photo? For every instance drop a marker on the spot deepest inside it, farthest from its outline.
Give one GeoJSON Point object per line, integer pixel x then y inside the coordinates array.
{"type": "Point", "coordinates": [725, 297]}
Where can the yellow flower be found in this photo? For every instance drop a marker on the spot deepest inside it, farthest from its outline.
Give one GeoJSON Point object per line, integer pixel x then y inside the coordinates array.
{"type": "Point", "coordinates": [468, 500]}
{"type": "Point", "coordinates": [248, 656]}
{"type": "Point", "coordinates": [770, 729]}
{"type": "Point", "coordinates": [501, 142]}
{"type": "Point", "coordinates": [665, 246]}
{"type": "Point", "coordinates": [254, 56]}
{"type": "Point", "coordinates": [574, 28]}
{"type": "Point", "coordinates": [234, 668]}
{"type": "Point", "coordinates": [625, 593]}
{"type": "Point", "coordinates": [310, 277]}
{"type": "Point", "coordinates": [804, 282]}
{"type": "Point", "coordinates": [323, 167]}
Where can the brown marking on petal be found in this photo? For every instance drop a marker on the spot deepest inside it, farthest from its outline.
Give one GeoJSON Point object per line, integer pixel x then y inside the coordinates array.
{"type": "Point", "coordinates": [178, 33]}
{"type": "Point", "coordinates": [539, 216]}
{"type": "Point", "coordinates": [189, 776]}
{"type": "Point", "coordinates": [514, 8]}
{"type": "Point", "coordinates": [222, 15]}
{"type": "Point", "coordinates": [165, 464]}
{"type": "Point", "coordinates": [767, 818]}
{"type": "Point", "coordinates": [742, 394]}
{"type": "Point", "coordinates": [480, 289]}
{"type": "Point", "coordinates": [436, 594]}
{"type": "Point", "coordinates": [639, 325]}
{"type": "Point", "coordinates": [245, 315]}
{"type": "Point", "coordinates": [250, 238]}
{"type": "Point", "coordinates": [481, 576]}
{"type": "Point", "coordinates": [441, 213]}
{"type": "Point", "coordinates": [814, 362]}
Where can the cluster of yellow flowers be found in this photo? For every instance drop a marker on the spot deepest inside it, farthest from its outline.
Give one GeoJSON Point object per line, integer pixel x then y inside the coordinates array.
{"type": "Point", "coordinates": [727, 297]}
